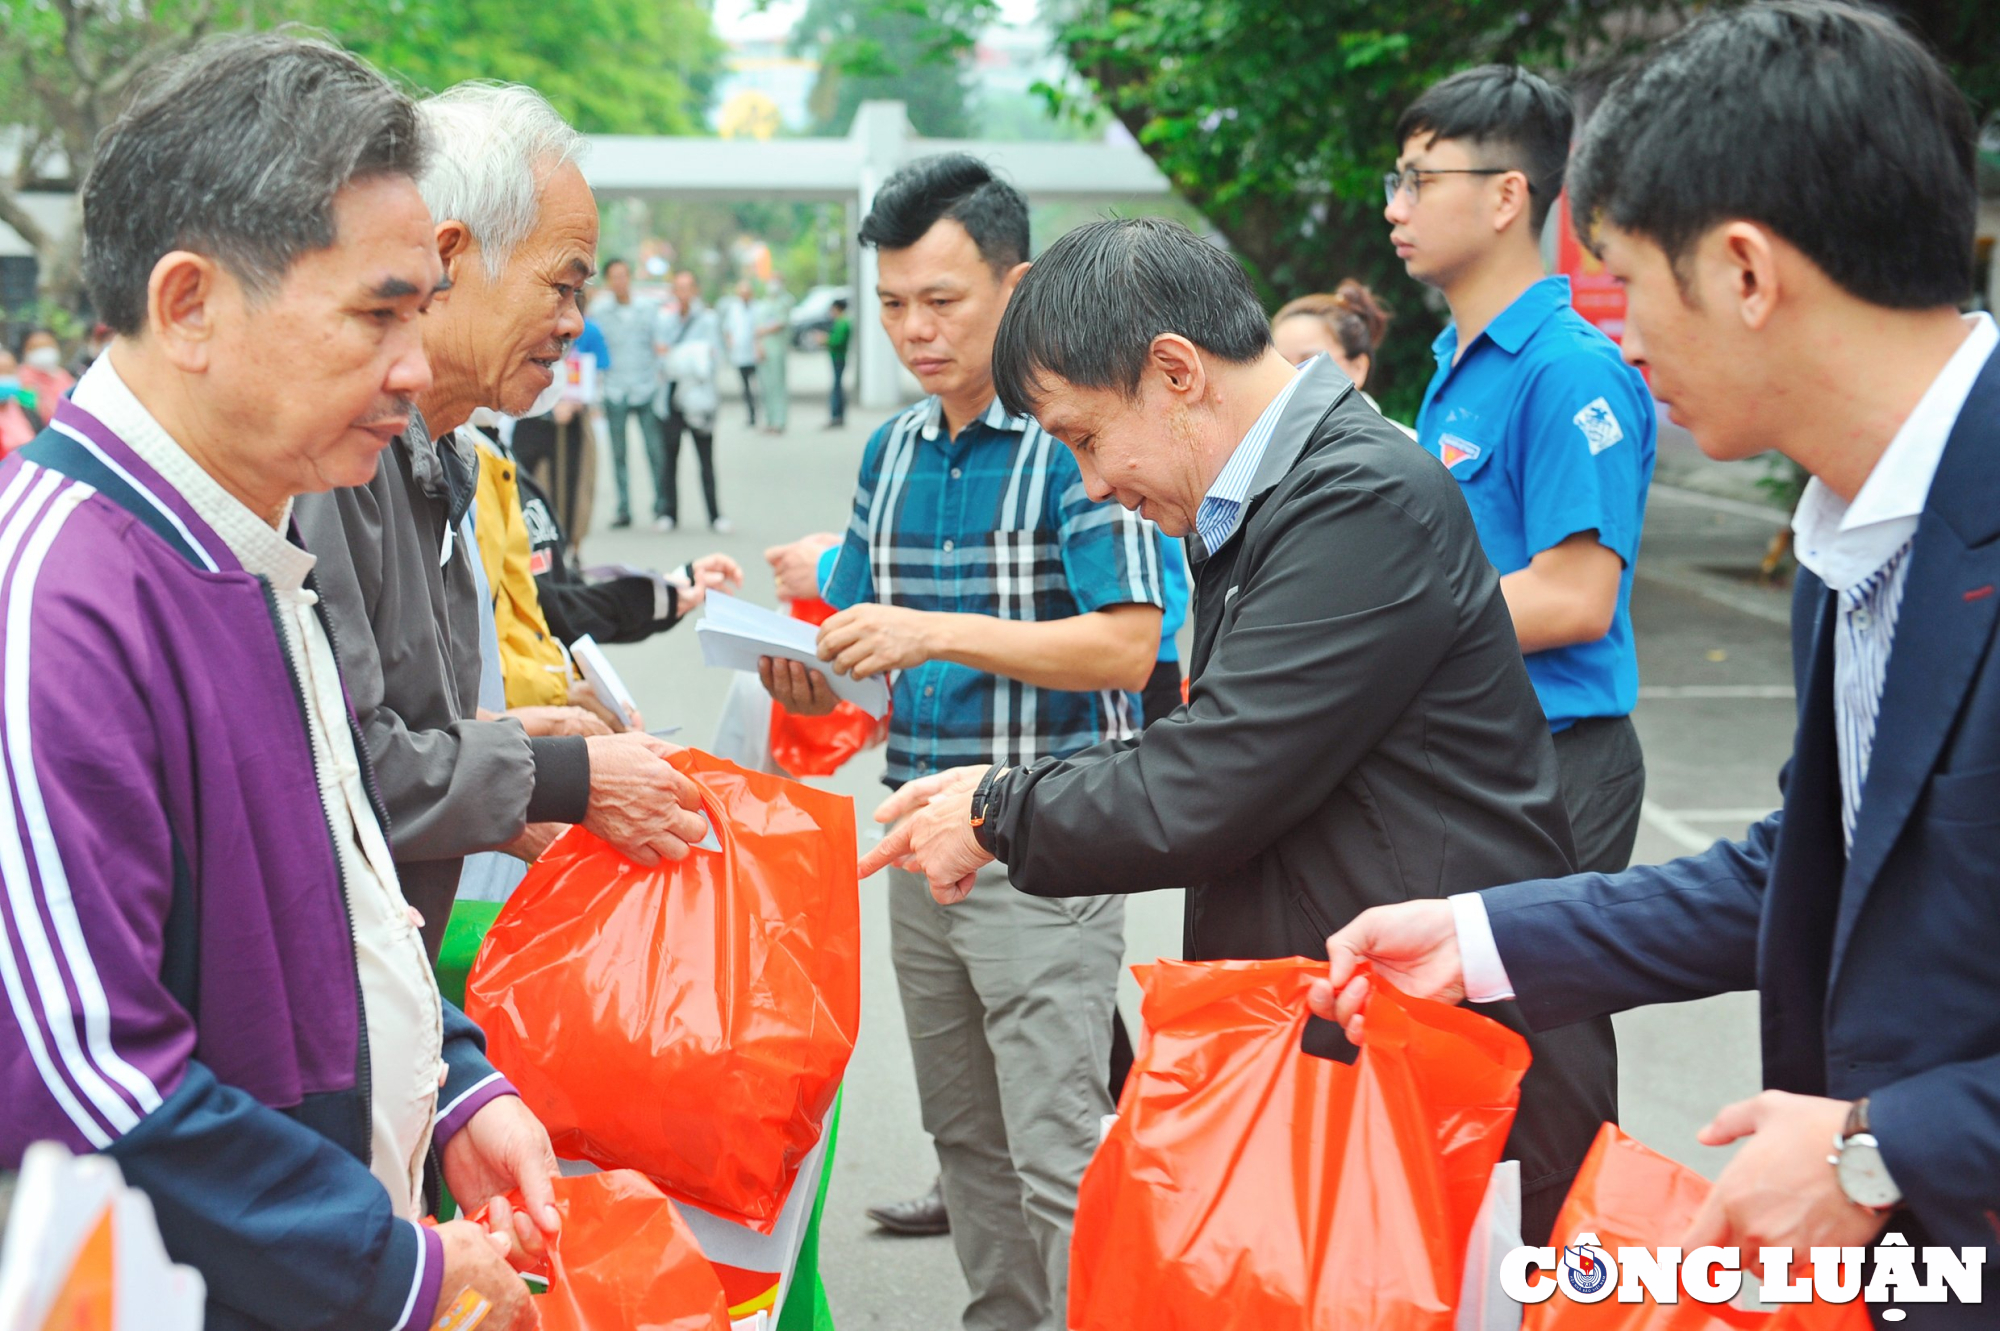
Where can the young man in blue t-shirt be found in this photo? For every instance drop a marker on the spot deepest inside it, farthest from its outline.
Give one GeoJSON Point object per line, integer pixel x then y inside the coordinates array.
{"type": "Point", "coordinates": [1549, 433]}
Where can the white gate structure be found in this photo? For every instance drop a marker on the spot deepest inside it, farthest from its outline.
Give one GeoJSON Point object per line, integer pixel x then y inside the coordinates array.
{"type": "Point", "coordinates": [849, 170]}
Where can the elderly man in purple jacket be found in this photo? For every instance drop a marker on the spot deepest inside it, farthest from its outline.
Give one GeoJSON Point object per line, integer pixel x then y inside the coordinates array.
{"type": "Point", "coordinates": [210, 972]}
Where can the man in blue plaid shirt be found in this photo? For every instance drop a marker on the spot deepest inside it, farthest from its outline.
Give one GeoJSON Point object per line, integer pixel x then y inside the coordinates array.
{"type": "Point", "coordinates": [1019, 617]}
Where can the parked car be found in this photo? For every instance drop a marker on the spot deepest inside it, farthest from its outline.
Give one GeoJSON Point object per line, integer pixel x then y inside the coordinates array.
{"type": "Point", "coordinates": [813, 315]}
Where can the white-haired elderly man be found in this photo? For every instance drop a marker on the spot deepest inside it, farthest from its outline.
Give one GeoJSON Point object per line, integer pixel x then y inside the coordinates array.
{"type": "Point", "coordinates": [517, 232]}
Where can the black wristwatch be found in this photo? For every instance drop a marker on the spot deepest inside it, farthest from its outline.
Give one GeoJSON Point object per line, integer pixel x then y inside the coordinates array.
{"type": "Point", "coordinates": [982, 804]}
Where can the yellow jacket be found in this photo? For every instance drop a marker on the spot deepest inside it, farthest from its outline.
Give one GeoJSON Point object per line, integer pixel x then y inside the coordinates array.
{"type": "Point", "coordinates": [531, 660]}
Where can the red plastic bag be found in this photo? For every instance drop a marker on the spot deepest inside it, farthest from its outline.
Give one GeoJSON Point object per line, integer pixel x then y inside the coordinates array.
{"type": "Point", "coordinates": [818, 745]}
{"type": "Point", "coordinates": [692, 1020]}
{"type": "Point", "coordinates": [624, 1261]}
{"type": "Point", "coordinates": [1250, 1184]}
{"type": "Point", "coordinates": [1632, 1197]}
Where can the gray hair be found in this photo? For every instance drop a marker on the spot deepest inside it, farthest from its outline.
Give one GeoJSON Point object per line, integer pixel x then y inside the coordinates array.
{"type": "Point", "coordinates": [236, 151]}
{"type": "Point", "coordinates": [494, 146]}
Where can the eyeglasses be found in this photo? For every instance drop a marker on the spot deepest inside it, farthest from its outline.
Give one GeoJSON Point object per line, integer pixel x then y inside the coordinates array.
{"type": "Point", "coordinates": [1411, 180]}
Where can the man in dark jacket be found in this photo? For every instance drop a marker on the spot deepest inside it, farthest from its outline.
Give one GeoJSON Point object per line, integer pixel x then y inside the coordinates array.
{"type": "Point", "coordinates": [1360, 728]}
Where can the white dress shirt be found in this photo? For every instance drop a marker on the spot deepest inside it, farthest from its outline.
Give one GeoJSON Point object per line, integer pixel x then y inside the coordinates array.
{"type": "Point", "coordinates": [1861, 552]}
{"type": "Point", "coordinates": [405, 1019]}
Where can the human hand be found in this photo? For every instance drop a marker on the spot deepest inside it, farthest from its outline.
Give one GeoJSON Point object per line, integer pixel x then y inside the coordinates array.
{"type": "Point", "coordinates": [1412, 944]}
{"type": "Point", "coordinates": [1780, 1190]}
{"type": "Point", "coordinates": [710, 572]}
{"type": "Point", "coordinates": [869, 639]}
{"type": "Point", "coordinates": [795, 686]}
{"type": "Point", "coordinates": [500, 1148]}
{"type": "Point", "coordinates": [475, 1259]}
{"type": "Point", "coordinates": [647, 809]}
{"type": "Point", "coordinates": [581, 694]}
{"type": "Point", "coordinates": [795, 565]}
{"type": "Point", "coordinates": [935, 839]}
{"type": "Point", "coordinates": [542, 720]}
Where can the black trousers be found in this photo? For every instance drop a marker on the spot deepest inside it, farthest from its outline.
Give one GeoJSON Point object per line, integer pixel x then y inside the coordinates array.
{"type": "Point", "coordinates": [1603, 783]}
{"type": "Point", "coordinates": [749, 373]}
{"type": "Point", "coordinates": [670, 475]}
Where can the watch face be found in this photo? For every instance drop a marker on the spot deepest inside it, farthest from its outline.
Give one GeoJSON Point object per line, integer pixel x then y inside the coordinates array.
{"type": "Point", "coordinates": [1863, 1176]}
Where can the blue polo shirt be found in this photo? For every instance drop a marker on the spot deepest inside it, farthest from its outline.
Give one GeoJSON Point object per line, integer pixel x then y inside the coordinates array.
{"type": "Point", "coordinates": [1550, 433]}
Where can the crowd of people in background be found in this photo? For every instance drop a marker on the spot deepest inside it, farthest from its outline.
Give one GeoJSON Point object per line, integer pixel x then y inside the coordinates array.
{"type": "Point", "coordinates": [330, 458]}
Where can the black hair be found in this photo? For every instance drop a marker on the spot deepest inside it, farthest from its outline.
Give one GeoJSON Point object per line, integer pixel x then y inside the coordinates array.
{"type": "Point", "coordinates": [1826, 122]}
{"type": "Point", "coordinates": [837, 305]}
{"type": "Point", "coordinates": [615, 261]}
{"type": "Point", "coordinates": [236, 150]}
{"type": "Point", "coordinates": [956, 186]}
{"type": "Point", "coordinates": [1089, 309]}
{"type": "Point", "coordinates": [1516, 119]}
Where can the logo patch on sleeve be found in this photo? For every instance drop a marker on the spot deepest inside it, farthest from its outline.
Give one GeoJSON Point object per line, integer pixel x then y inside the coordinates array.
{"type": "Point", "coordinates": [1452, 450]}
{"type": "Point", "coordinates": [1600, 427]}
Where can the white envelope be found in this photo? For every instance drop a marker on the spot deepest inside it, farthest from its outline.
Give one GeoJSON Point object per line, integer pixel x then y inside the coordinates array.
{"type": "Point", "coordinates": [735, 633]}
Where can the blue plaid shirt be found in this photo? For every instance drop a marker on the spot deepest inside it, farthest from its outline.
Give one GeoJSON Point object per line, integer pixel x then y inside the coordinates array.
{"type": "Point", "coordinates": [994, 522]}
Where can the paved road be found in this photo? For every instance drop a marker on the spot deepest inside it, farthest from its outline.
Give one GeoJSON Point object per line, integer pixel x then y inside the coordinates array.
{"type": "Point", "coordinates": [1715, 718]}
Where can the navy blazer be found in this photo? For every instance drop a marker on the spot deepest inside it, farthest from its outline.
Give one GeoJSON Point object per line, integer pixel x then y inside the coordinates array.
{"type": "Point", "coordinates": [1879, 972]}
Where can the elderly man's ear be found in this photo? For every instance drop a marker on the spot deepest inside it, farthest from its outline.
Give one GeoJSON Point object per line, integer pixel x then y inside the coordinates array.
{"type": "Point", "coordinates": [455, 247]}
{"type": "Point", "coordinates": [181, 307]}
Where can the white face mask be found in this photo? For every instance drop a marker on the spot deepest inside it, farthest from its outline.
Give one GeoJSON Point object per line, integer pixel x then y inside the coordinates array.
{"type": "Point", "coordinates": [43, 358]}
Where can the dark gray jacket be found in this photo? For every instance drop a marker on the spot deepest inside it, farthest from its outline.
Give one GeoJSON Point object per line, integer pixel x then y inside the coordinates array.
{"type": "Point", "coordinates": [406, 626]}
{"type": "Point", "coordinates": [1360, 730]}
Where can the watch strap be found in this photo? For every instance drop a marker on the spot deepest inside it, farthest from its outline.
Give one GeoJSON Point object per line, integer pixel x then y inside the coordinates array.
{"type": "Point", "coordinates": [982, 805]}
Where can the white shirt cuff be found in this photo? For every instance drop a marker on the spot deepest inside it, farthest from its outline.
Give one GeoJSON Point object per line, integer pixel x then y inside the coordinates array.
{"type": "Point", "coordinates": [1478, 955]}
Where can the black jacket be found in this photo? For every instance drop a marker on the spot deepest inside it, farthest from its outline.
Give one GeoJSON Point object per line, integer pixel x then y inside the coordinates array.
{"type": "Point", "coordinates": [1360, 730]}
{"type": "Point", "coordinates": [622, 609]}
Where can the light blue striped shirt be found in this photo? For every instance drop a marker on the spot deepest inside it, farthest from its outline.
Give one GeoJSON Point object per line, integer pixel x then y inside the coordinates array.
{"type": "Point", "coordinates": [1222, 507]}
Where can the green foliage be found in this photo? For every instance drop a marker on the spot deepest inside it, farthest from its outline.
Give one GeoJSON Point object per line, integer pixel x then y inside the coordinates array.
{"type": "Point", "coordinates": [610, 66]}
{"type": "Point", "coordinates": [1275, 118]}
{"type": "Point", "coordinates": [900, 50]}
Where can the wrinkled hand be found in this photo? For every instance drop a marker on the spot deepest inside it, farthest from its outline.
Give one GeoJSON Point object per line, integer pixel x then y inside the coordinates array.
{"type": "Point", "coordinates": [710, 572]}
{"type": "Point", "coordinates": [935, 837]}
{"type": "Point", "coordinates": [581, 694]}
{"type": "Point", "coordinates": [1412, 944]}
{"type": "Point", "coordinates": [795, 686]}
{"type": "Point", "coordinates": [795, 565]}
{"type": "Point", "coordinates": [502, 1147]}
{"type": "Point", "coordinates": [647, 809]}
{"type": "Point", "coordinates": [534, 839]}
{"type": "Point", "coordinates": [870, 639]}
{"type": "Point", "coordinates": [1779, 1190]}
{"type": "Point", "coordinates": [559, 721]}
{"type": "Point", "coordinates": [475, 1259]}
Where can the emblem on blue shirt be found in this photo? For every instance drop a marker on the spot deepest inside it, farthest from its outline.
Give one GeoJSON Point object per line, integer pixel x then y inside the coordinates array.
{"type": "Point", "coordinates": [1600, 427]}
{"type": "Point", "coordinates": [1452, 450]}
{"type": "Point", "coordinates": [1587, 1272]}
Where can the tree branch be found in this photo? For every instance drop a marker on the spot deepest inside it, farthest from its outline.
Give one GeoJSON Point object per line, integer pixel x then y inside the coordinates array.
{"type": "Point", "coordinates": [16, 216]}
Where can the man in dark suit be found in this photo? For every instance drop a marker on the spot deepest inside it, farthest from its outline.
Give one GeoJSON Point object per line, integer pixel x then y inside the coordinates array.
{"type": "Point", "coordinates": [1741, 185]}
{"type": "Point", "coordinates": [1360, 729]}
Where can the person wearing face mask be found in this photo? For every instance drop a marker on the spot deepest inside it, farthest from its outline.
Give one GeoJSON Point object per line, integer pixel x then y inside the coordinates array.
{"type": "Point", "coordinates": [517, 229]}
{"type": "Point", "coordinates": [42, 372]}
{"type": "Point", "coordinates": [19, 417]}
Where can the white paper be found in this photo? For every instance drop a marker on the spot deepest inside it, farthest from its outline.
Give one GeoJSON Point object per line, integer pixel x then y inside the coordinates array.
{"type": "Point", "coordinates": [1482, 1304]}
{"type": "Point", "coordinates": [603, 679]}
{"type": "Point", "coordinates": [735, 633]}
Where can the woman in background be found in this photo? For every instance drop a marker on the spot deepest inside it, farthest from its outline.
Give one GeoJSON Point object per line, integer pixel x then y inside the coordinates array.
{"type": "Point", "coordinates": [1345, 325]}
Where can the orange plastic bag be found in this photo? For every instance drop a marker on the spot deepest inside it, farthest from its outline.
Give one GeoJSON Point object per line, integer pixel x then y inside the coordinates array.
{"type": "Point", "coordinates": [1632, 1197]}
{"type": "Point", "coordinates": [1247, 1183]}
{"type": "Point", "coordinates": [692, 1020]}
{"type": "Point", "coordinates": [624, 1261]}
{"type": "Point", "coordinates": [818, 745]}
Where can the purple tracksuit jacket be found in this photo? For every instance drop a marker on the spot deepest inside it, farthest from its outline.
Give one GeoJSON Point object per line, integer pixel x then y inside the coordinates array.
{"type": "Point", "coordinates": [178, 964]}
